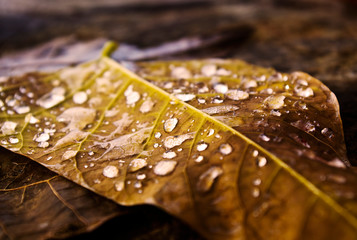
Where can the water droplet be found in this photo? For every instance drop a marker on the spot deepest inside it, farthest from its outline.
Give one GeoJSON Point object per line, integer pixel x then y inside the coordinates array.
{"type": "Point", "coordinates": [147, 106]}
{"type": "Point", "coordinates": [14, 140]}
{"type": "Point", "coordinates": [274, 102]}
{"type": "Point", "coordinates": [141, 176]}
{"type": "Point", "coordinates": [52, 98]}
{"type": "Point", "coordinates": [220, 109]}
{"type": "Point", "coordinates": [170, 124]}
{"type": "Point", "coordinates": [220, 88]}
{"type": "Point", "coordinates": [169, 155]}
{"type": "Point", "coordinates": [165, 167]}
{"type": "Point", "coordinates": [110, 171]}
{"type": "Point", "coordinates": [236, 94]}
{"type": "Point", "coordinates": [257, 181]}
{"type": "Point", "coordinates": [210, 133]}
{"type": "Point", "coordinates": [80, 97]}
{"type": "Point", "coordinates": [250, 84]}
{"type": "Point", "coordinates": [308, 92]}
{"type": "Point", "coordinates": [22, 109]}
{"type": "Point", "coordinates": [275, 113]}
{"type": "Point", "coordinates": [201, 100]}
{"type": "Point", "coordinates": [262, 161]}
{"type": "Point", "coordinates": [255, 192]}
{"type": "Point", "coordinates": [157, 135]}
{"type": "Point", "coordinates": [156, 145]}
{"type": "Point", "coordinates": [185, 97]}
{"type": "Point", "coordinates": [225, 149]}
{"type": "Point", "coordinates": [137, 185]}
{"type": "Point", "coordinates": [69, 154]}
{"type": "Point", "coordinates": [206, 180]}
{"type": "Point", "coordinates": [255, 153]}
{"type": "Point", "coordinates": [90, 153]}
{"type": "Point", "coordinates": [119, 186]}
{"type": "Point", "coordinates": [8, 128]}
{"type": "Point", "coordinates": [43, 137]}
{"type": "Point", "coordinates": [223, 72]}
{"type": "Point", "coordinates": [199, 159]}
{"type": "Point", "coordinates": [43, 144]}
{"type": "Point", "coordinates": [209, 70]}
{"type": "Point", "coordinates": [217, 100]}
{"type": "Point", "coordinates": [324, 131]}
{"type": "Point", "coordinates": [137, 164]}
{"type": "Point", "coordinates": [336, 163]}
{"type": "Point", "coordinates": [49, 158]}
{"type": "Point", "coordinates": [180, 73]}
{"type": "Point", "coordinates": [264, 137]}
{"type": "Point", "coordinates": [131, 96]}
{"type": "Point", "coordinates": [202, 146]}
{"type": "Point", "coordinates": [173, 141]}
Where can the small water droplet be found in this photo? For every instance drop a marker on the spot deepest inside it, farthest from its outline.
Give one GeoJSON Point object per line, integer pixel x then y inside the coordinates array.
{"type": "Point", "coordinates": [202, 146]}
{"type": "Point", "coordinates": [137, 164]}
{"type": "Point", "coordinates": [236, 94]}
{"type": "Point", "coordinates": [141, 176]}
{"type": "Point", "coordinates": [199, 159]}
{"type": "Point", "coordinates": [131, 96]}
{"type": "Point", "coordinates": [169, 155]}
{"type": "Point", "coordinates": [90, 153]}
{"type": "Point", "coordinates": [165, 167]}
{"type": "Point", "coordinates": [257, 182]}
{"type": "Point", "coordinates": [185, 97]}
{"type": "Point", "coordinates": [147, 106]}
{"type": "Point", "coordinates": [156, 145]}
{"type": "Point", "coordinates": [49, 158]}
{"type": "Point", "coordinates": [336, 163]}
{"type": "Point", "coordinates": [170, 124]}
{"type": "Point", "coordinates": [217, 100]}
{"type": "Point", "coordinates": [262, 161]}
{"type": "Point", "coordinates": [137, 185]}
{"type": "Point", "coordinates": [181, 73]}
{"type": "Point", "coordinates": [225, 149]}
{"type": "Point", "coordinates": [206, 180]}
{"type": "Point", "coordinates": [173, 141]}
{"type": "Point", "coordinates": [119, 186]}
{"type": "Point", "coordinates": [157, 135]}
{"type": "Point", "coordinates": [179, 150]}
{"type": "Point", "coordinates": [69, 154]}
{"type": "Point", "coordinates": [43, 137]}
{"type": "Point", "coordinates": [274, 102]}
{"type": "Point", "coordinates": [209, 70]}
{"type": "Point", "coordinates": [13, 140]}
{"type": "Point", "coordinates": [220, 88]}
{"type": "Point", "coordinates": [255, 153]}
{"type": "Point", "coordinates": [308, 92]}
{"type": "Point", "coordinates": [22, 109]}
{"type": "Point", "coordinates": [80, 97]}
{"type": "Point", "coordinates": [201, 100]}
{"type": "Point", "coordinates": [8, 128]}
{"type": "Point", "coordinates": [264, 137]}
{"type": "Point", "coordinates": [43, 144]}
{"type": "Point", "coordinates": [110, 171]}
{"type": "Point", "coordinates": [52, 98]}
{"type": "Point", "coordinates": [255, 192]}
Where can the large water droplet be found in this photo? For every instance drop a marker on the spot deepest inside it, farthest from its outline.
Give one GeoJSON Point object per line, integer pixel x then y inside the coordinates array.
{"type": "Point", "coordinates": [206, 180]}
{"type": "Point", "coordinates": [131, 96]}
{"type": "Point", "coordinates": [22, 109]}
{"type": "Point", "coordinates": [199, 159]}
{"type": "Point", "coordinates": [43, 137]}
{"type": "Point", "coordinates": [225, 149]}
{"type": "Point", "coordinates": [53, 98]}
{"type": "Point", "coordinates": [170, 124]}
{"type": "Point", "coordinates": [262, 161]}
{"type": "Point", "coordinates": [165, 167]}
{"type": "Point", "coordinates": [13, 140]}
{"type": "Point", "coordinates": [110, 171]}
{"type": "Point", "coordinates": [137, 164]}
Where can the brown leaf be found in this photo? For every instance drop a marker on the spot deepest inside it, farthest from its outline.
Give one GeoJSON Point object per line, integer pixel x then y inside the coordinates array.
{"type": "Point", "coordinates": [104, 128]}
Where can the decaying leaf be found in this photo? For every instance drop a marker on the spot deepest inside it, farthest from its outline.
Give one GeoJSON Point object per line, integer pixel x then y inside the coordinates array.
{"type": "Point", "coordinates": [104, 128]}
{"type": "Point", "coordinates": [38, 204]}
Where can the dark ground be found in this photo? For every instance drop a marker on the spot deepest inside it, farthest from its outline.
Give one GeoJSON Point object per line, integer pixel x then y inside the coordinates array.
{"type": "Point", "coordinates": [315, 36]}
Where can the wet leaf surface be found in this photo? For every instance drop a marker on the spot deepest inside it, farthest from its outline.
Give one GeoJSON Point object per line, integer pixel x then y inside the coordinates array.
{"type": "Point", "coordinates": [111, 132]}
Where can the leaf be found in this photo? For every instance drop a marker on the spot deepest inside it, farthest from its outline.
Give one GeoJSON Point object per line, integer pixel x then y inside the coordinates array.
{"type": "Point", "coordinates": [114, 133]}
{"type": "Point", "coordinates": [38, 204]}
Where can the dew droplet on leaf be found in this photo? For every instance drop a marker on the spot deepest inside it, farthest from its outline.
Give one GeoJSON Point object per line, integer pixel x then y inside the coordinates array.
{"type": "Point", "coordinates": [165, 167]}
{"type": "Point", "coordinates": [170, 124]}
{"type": "Point", "coordinates": [207, 179]}
{"type": "Point", "coordinates": [110, 171]}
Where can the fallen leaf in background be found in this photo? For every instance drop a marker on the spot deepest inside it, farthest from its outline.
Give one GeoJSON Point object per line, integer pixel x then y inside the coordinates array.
{"type": "Point", "coordinates": [102, 127]}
